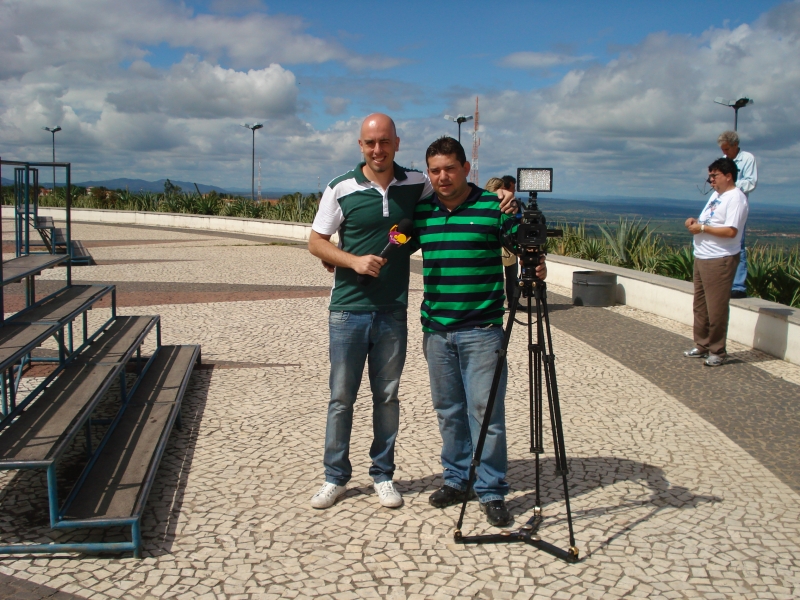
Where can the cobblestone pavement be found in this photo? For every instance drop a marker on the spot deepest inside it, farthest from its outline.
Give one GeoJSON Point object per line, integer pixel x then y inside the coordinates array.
{"type": "Point", "coordinates": [669, 500]}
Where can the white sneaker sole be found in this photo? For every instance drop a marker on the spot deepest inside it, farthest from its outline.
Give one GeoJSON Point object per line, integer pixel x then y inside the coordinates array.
{"type": "Point", "coordinates": [389, 502]}
{"type": "Point", "coordinates": [328, 504]}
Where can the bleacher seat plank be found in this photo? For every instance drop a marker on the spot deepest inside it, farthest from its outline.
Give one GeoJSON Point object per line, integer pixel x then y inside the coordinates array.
{"type": "Point", "coordinates": [19, 268]}
{"type": "Point", "coordinates": [16, 340]}
{"type": "Point", "coordinates": [36, 432]}
{"type": "Point", "coordinates": [63, 304]}
{"type": "Point", "coordinates": [116, 342]}
{"type": "Point", "coordinates": [44, 223]}
{"type": "Point", "coordinates": [116, 480]}
{"type": "Point", "coordinates": [166, 375]}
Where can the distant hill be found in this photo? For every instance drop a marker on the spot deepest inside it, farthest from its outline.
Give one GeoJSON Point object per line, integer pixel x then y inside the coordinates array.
{"type": "Point", "coordinates": [136, 185]}
{"type": "Point", "coordinates": [141, 185]}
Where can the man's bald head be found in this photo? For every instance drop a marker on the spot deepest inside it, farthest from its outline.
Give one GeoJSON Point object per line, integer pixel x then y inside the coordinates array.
{"type": "Point", "coordinates": [377, 121]}
{"type": "Point", "coordinates": [378, 142]}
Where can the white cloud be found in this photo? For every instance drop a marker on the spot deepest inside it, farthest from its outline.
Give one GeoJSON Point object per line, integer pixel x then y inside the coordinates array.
{"type": "Point", "coordinates": [101, 33]}
{"type": "Point", "coordinates": [646, 122]}
{"type": "Point", "coordinates": [195, 88]}
{"type": "Point", "coordinates": [153, 121]}
{"type": "Point", "coordinates": [541, 60]}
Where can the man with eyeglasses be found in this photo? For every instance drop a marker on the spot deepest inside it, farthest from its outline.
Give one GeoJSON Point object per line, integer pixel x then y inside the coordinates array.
{"type": "Point", "coordinates": [717, 244]}
{"type": "Point", "coordinates": [746, 181]}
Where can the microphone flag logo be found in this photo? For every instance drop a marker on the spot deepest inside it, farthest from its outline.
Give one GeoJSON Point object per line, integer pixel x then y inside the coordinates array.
{"type": "Point", "coordinates": [396, 237]}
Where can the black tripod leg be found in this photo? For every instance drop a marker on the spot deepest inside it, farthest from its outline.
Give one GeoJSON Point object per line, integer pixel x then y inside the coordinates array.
{"type": "Point", "coordinates": [535, 384]}
{"type": "Point", "coordinates": [547, 359]}
{"type": "Point", "coordinates": [555, 408]}
{"type": "Point", "coordinates": [498, 370]}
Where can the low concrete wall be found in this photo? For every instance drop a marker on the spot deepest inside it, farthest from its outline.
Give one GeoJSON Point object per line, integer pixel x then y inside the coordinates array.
{"type": "Point", "coordinates": [767, 326]}
{"type": "Point", "coordinates": [281, 229]}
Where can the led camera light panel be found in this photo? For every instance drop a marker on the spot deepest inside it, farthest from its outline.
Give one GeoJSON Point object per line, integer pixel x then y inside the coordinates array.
{"type": "Point", "coordinates": [534, 180]}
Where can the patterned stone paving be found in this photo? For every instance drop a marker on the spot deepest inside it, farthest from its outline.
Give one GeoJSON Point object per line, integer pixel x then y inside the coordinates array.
{"type": "Point", "coordinates": [667, 502]}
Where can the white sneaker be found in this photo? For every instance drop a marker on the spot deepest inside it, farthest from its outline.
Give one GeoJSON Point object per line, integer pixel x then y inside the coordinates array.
{"type": "Point", "coordinates": [327, 495]}
{"type": "Point", "coordinates": [388, 495]}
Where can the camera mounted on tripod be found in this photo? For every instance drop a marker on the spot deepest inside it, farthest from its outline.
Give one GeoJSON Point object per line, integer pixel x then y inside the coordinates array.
{"type": "Point", "coordinates": [530, 241]}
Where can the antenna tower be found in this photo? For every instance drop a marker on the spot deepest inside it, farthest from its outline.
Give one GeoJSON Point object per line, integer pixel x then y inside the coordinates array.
{"type": "Point", "coordinates": [476, 142]}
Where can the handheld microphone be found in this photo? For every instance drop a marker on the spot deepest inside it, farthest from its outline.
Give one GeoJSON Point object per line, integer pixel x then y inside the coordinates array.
{"type": "Point", "coordinates": [398, 235]}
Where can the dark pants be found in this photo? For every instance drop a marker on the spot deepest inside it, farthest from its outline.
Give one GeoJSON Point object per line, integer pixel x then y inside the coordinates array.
{"type": "Point", "coordinates": [712, 294]}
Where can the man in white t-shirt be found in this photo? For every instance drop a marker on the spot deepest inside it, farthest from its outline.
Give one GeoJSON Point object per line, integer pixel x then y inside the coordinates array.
{"type": "Point", "coordinates": [717, 245]}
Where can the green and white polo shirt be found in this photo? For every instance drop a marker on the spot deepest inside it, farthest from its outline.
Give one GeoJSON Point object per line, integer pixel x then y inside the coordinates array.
{"type": "Point", "coordinates": [462, 267]}
{"type": "Point", "coordinates": [363, 213]}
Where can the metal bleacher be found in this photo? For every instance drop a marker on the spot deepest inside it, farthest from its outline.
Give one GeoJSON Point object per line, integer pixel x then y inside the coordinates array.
{"type": "Point", "coordinates": [55, 240]}
{"type": "Point", "coordinates": [104, 370]}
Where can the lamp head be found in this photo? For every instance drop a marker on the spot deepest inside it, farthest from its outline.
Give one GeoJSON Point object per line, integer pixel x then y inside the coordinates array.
{"type": "Point", "coordinates": [534, 180]}
{"type": "Point", "coordinates": [53, 129]}
{"type": "Point", "coordinates": [459, 118]}
{"type": "Point", "coordinates": [740, 103]}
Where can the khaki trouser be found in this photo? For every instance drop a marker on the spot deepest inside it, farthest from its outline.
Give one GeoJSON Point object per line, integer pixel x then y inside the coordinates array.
{"type": "Point", "coordinates": [713, 278]}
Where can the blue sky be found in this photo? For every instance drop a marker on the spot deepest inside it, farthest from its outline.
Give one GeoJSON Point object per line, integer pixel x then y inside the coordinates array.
{"type": "Point", "coordinates": [616, 96]}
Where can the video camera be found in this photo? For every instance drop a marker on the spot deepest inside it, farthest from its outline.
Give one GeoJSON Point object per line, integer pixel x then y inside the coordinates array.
{"type": "Point", "coordinates": [530, 241]}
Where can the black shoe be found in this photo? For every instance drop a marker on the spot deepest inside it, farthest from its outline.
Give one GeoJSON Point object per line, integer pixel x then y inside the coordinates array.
{"type": "Point", "coordinates": [448, 496]}
{"type": "Point", "coordinates": [496, 513]}
{"type": "Point", "coordinates": [736, 294]}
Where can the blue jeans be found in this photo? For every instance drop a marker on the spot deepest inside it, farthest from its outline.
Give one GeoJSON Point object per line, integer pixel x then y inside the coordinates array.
{"type": "Point", "coordinates": [740, 279]}
{"type": "Point", "coordinates": [461, 365]}
{"type": "Point", "coordinates": [378, 339]}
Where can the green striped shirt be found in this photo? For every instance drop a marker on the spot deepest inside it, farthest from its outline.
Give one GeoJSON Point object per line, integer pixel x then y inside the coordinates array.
{"type": "Point", "coordinates": [461, 261]}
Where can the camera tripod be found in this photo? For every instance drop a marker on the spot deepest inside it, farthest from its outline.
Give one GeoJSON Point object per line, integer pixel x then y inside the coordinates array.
{"type": "Point", "coordinates": [541, 360]}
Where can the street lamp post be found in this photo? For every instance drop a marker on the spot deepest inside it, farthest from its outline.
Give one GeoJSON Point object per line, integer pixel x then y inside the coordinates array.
{"type": "Point", "coordinates": [53, 130]}
{"type": "Point", "coordinates": [735, 105]}
{"type": "Point", "coordinates": [459, 119]}
{"type": "Point", "coordinates": [253, 127]}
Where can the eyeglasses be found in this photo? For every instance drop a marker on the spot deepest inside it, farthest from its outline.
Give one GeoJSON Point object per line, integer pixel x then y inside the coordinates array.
{"type": "Point", "coordinates": [714, 176]}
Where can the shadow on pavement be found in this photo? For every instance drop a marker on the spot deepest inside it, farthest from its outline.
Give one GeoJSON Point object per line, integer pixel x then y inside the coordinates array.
{"type": "Point", "coordinates": [586, 475]}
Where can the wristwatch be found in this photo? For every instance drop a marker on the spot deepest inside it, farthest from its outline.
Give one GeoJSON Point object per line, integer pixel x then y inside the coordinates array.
{"type": "Point", "coordinates": [702, 228]}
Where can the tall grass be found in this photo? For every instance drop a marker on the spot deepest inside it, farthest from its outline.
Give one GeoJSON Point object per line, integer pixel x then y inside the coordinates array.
{"type": "Point", "coordinates": [295, 207]}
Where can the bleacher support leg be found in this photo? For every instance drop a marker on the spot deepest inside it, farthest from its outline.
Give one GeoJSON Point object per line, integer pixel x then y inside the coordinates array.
{"type": "Point", "coordinates": [136, 538]}
{"type": "Point", "coordinates": [62, 355]}
{"type": "Point", "coordinates": [89, 437]}
{"type": "Point", "coordinates": [4, 394]}
{"type": "Point", "coordinates": [52, 494]}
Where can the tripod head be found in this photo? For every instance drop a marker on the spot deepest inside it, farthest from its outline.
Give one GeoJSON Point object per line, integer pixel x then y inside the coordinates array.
{"type": "Point", "coordinates": [530, 241]}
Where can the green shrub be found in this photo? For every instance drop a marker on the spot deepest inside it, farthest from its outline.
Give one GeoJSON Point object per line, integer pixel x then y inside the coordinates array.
{"type": "Point", "coordinates": [678, 263]}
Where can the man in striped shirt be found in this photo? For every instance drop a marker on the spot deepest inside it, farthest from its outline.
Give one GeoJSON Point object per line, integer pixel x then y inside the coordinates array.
{"type": "Point", "coordinates": [460, 229]}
